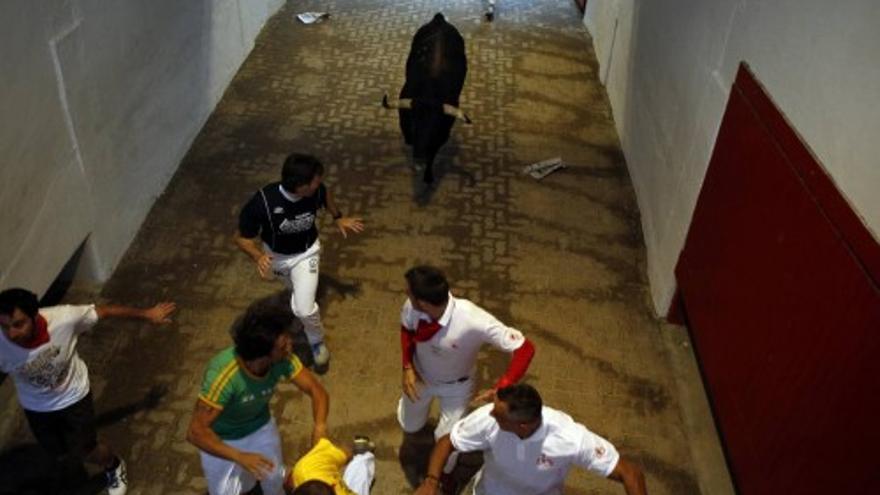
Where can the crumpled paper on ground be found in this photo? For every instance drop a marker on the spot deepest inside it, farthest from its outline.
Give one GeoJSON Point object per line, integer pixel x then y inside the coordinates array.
{"type": "Point", "coordinates": [542, 169]}
{"type": "Point", "coordinates": [312, 17]}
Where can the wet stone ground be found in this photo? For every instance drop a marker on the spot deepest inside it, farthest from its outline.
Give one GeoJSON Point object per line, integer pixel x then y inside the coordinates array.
{"type": "Point", "coordinates": [561, 259]}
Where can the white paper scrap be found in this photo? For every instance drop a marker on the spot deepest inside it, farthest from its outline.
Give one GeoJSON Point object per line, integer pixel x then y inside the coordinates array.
{"type": "Point", "coordinates": [312, 17]}
{"type": "Point", "coordinates": [542, 169]}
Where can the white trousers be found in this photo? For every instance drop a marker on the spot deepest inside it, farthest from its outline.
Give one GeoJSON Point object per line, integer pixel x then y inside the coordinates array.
{"type": "Point", "coordinates": [454, 399]}
{"type": "Point", "coordinates": [359, 473]}
{"type": "Point", "coordinates": [299, 272]}
{"type": "Point", "coordinates": [229, 478]}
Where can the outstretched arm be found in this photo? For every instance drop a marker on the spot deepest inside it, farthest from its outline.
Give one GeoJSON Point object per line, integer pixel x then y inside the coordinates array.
{"type": "Point", "coordinates": [519, 364]}
{"type": "Point", "coordinates": [306, 381]}
{"type": "Point", "coordinates": [343, 223]}
{"type": "Point", "coordinates": [442, 449]}
{"type": "Point", "coordinates": [631, 476]}
{"type": "Point", "coordinates": [159, 314]}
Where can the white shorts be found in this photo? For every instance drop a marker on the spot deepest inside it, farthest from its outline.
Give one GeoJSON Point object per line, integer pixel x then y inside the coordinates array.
{"type": "Point", "coordinates": [229, 478]}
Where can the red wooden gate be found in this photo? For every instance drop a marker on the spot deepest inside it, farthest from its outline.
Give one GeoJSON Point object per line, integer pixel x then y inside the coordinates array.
{"type": "Point", "coordinates": [779, 283]}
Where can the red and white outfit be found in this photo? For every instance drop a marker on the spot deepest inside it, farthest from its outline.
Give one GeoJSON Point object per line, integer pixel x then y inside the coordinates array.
{"type": "Point", "coordinates": [51, 376]}
{"type": "Point", "coordinates": [444, 354]}
{"type": "Point", "coordinates": [536, 465]}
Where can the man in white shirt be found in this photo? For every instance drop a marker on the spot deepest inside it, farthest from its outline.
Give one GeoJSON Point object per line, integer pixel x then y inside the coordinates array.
{"type": "Point", "coordinates": [528, 448]}
{"type": "Point", "coordinates": [440, 337]}
{"type": "Point", "coordinates": [38, 349]}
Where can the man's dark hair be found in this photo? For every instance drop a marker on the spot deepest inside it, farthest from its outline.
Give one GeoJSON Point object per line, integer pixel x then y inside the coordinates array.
{"type": "Point", "coordinates": [428, 284]}
{"type": "Point", "coordinates": [22, 299]}
{"type": "Point", "coordinates": [256, 333]}
{"type": "Point", "coordinates": [314, 487]}
{"type": "Point", "coordinates": [299, 169]}
{"type": "Point", "coordinates": [523, 402]}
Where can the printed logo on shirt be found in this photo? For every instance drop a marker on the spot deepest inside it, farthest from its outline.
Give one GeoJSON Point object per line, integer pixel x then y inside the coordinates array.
{"type": "Point", "coordinates": [43, 370]}
{"type": "Point", "coordinates": [313, 265]}
{"type": "Point", "coordinates": [600, 452]}
{"type": "Point", "coordinates": [279, 210]}
{"type": "Point", "coordinates": [300, 223]}
{"type": "Point", "coordinates": [544, 462]}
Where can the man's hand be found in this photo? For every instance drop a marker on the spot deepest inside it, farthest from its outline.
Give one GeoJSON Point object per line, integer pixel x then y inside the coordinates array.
{"type": "Point", "coordinates": [264, 265]}
{"type": "Point", "coordinates": [256, 464]}
{"type": "Point", "coordinates": [345, 224]}
{"type": "Point", "coordinates": [411, 383]}
{"type": "Point", "coordinates": [483, 397]}
{"type": "Point", "coordinates": [430, 486]}
{"type": "Point", "coordinates": [159, 314]}
{"type": "Point", "coordinates": [319, 431]}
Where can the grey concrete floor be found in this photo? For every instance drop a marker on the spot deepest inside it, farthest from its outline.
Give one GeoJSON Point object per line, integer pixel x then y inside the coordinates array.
{"type": "Point", "coordinates": [561, 259]}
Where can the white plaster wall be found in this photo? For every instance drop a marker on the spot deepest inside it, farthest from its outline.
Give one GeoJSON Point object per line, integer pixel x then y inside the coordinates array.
{"type": "Point", "coordinates": [99, 102]}
{"type": "Point", "coordinates": [668, 67]}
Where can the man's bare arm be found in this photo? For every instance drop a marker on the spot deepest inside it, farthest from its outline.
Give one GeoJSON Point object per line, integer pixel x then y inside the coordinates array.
{"type": "Point", "coordinates": [306, 381]}
{"type": "Point", "coordinates": [442, 450]}
{"type": "Point", "coordinates": [253, 247]}
{"type": "Point", "coordinates": [631, 476]}
{"type": "Point", "coordinates": [158, 314]}
{"type": "Point", "coordinates": [202, 436]}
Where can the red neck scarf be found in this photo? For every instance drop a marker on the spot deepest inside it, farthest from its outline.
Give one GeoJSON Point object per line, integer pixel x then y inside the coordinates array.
{"type": "Point", "coordinates": [426, 329]}
{"type": "Point", "coordinates": [41, 333]}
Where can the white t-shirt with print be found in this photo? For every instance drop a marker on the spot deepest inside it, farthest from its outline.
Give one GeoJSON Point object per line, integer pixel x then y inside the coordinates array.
{"type": "Point", "coordinates": [52, 376]}
{"type": "Point", "coordinates": [451, 354]}
{"type": "Point", "coordinates": [536, 465]}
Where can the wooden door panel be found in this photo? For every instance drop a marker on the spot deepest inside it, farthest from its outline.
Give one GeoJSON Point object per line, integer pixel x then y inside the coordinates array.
{"type": "Point", "coordinates": [783, 311]}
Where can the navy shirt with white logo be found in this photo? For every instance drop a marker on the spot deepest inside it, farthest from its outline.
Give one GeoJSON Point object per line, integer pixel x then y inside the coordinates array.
{"type": "Point", "coordinates": [287, 227]}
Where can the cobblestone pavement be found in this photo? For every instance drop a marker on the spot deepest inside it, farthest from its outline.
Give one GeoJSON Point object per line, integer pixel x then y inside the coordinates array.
{"type": "Point", "coordinates": [561, 259]}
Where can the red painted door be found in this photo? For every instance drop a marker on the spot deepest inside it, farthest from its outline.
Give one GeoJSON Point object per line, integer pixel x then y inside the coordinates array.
{"type": "Point", "coordinates": [779, 284]}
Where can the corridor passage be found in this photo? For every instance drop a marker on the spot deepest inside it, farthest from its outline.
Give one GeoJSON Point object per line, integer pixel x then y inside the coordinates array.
{"type": "Point", "coordinates": [561, 259]}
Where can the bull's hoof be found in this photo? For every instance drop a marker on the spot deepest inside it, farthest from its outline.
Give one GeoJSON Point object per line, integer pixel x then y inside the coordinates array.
{"type": "Point", "coordinates": [490, 16]}
{"type": "Point", "coordinates": [429, 177]}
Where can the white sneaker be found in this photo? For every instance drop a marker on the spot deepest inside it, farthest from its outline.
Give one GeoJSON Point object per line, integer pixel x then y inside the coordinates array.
{"type": "Point", "coordinates": [320, 354]}
{"type": "Point", "coordinates": [117, 479]}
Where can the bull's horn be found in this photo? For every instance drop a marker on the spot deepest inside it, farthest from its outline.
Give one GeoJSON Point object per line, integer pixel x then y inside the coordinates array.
{"type": "Point", "coordinates": [456, 112]}
{"type": "Point", "coordinates": [402, 103]}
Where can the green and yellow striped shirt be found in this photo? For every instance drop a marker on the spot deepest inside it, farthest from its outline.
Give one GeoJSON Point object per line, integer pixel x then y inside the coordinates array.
{"type": "Point", "coordinates": [242, 397]}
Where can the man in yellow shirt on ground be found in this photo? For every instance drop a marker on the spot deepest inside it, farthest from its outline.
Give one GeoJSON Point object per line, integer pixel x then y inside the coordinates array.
{"type": "Point", "coordinates": [330, 470]}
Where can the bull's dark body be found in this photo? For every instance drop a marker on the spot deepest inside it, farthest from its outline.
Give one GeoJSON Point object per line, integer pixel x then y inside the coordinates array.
{"type": "Point", "coordinates": [435, 73]}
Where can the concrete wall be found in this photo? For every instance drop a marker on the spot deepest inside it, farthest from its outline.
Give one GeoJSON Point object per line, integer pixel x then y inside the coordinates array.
{"type": "Point", "coordinates": [668, 67]}
{"type": "Point", "coordinates": [99, 102]}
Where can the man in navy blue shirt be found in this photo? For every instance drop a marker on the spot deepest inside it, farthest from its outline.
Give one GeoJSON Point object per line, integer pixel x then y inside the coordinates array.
{"type": "Point", "coordinates": [277, 229]}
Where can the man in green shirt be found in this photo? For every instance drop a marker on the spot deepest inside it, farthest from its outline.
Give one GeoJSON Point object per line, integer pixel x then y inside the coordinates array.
{"type": "Point", "coordinates": [232, 425]}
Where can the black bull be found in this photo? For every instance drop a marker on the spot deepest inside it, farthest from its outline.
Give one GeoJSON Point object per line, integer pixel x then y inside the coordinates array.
{"type": "Point", "coordinates": [428, 105]}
